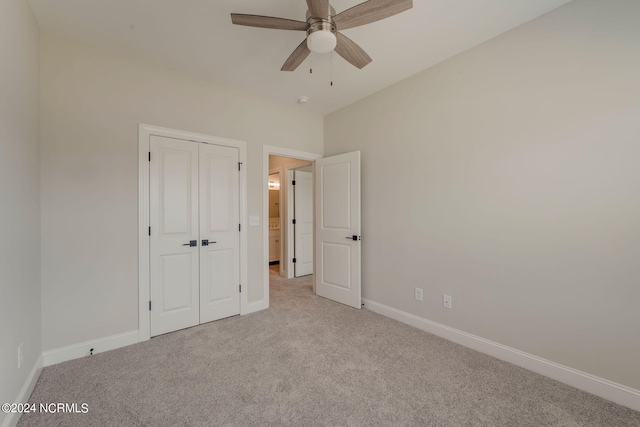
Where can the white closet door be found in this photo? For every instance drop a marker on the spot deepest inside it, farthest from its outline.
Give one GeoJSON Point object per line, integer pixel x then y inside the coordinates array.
{"type": "Point", "coordinates": [174, 268]}
{"type": "Point", "coordinates": [338, 228]}
{"type": "Point", "coordinates": [219, 232]}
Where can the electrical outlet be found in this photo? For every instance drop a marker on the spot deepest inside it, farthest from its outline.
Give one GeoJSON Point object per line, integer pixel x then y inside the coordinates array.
{"type": "Point", "coordinates": [418, 294]}
{"type": "Point", "coordinates": [20, 355]}
{"type": "Point", "coordinates": [447, 301]}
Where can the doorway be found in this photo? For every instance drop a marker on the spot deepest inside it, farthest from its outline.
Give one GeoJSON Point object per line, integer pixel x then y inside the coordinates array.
{"type": "Point", "coordinates": [283, 222]}
{"type": "Point", "coordinates": [287, 161]}
{"type": "Point", "coordinates": [192, 238]}
{"type": "Point", "coordinates": [337, 230]}
{"type": "Point", "coordinates": [275, 221]}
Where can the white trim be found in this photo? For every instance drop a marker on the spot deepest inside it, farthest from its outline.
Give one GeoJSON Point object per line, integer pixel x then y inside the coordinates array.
{"type": "Point", "coordinates": [606, 389]}
{"type": "Point", "coordinates": [100, 345]}
{"type": "Point", "coordinates": [25, 393]}
{"type": "Point", "coordinates": [268, 150]}
{"type": "Point", "coordinates": [144, 320]}
{"type": "Point", "coordinates": [144, 134]}
{"type": "Point", "coordinates": [290, 234]}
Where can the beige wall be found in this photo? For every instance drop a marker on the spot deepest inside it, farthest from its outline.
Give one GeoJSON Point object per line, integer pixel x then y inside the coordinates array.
{"type": "Point", "coordinates": [91, 105]}
{"type": "Point", "coordinates": [509, 178]}
{"type": "Point", "coordinates": [20, 308]}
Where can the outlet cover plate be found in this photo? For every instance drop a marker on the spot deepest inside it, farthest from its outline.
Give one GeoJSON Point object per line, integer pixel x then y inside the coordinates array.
{"type": "Point", "coordinates": [20, 356]}
{"type": "Point", "coordinates": [447, 301]}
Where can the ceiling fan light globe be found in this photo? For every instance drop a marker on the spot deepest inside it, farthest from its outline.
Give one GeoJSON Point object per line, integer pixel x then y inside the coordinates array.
{"type": "Point", "coordinates": [321, 41]}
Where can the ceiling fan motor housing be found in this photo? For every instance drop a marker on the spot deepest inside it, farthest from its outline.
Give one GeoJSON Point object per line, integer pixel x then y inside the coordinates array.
{"type": "Point", "coordinates": [321, 36]}
{"type": "Point", "coordinates": [321, 33]}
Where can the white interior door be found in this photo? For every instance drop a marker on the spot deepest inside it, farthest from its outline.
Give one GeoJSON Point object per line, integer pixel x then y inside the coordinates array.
{"type": "Point", "coordinates": [195, 237]}
{"type": "Point", "coordinates": [303, 228]}
{"type": "Point", "coordinates": [338, 228]}
{"type": "Point", "coordinates": [219, 232]}
{"type": "Point", "coordinates": [174, 262]}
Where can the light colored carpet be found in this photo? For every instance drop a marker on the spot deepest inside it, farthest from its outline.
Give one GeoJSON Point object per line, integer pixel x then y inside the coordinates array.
{"type": "Point", "coordinates": [308, 361]}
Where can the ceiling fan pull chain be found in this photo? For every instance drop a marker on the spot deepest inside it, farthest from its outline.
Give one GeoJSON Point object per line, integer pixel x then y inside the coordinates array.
{"type": "Point", "coordinates": [331, 68]}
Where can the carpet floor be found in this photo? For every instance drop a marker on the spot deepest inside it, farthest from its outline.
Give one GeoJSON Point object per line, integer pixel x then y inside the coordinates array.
{"type": "Point", "coordinates": [308, 361]}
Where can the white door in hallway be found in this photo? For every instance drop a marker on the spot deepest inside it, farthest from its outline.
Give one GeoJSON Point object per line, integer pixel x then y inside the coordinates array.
{"type": "Point", "coordinates": [338, 228]}
{"type": "Point", "coordinates": [174, 262]}
{"type": "Point", "coordinates": [303, 228]}
{"type": "Point", "coordinates": [195, 237]}
{"type": "Point", "coordinates": [219, 233]}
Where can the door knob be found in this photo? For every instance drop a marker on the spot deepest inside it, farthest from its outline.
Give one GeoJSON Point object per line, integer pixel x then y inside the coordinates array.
{"type": "Point", "coordinates": [206, 242]}
{"type": "Point", "coordinates": [354, 237]}
{"type": "Point", "coordinates": [191, 243]}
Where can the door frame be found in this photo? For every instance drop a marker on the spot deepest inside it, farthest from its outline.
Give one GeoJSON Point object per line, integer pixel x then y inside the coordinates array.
{"type": "Point", "coordinates": [290, 245]}
{"type": "Point", "coordinates": [286, 198]}
{"type": "Point", "coordinates": [269, 150]}
{"type": "Point", "coordinates": [144, 134]}
{"type": "Point", "coordinates": [291, 226]}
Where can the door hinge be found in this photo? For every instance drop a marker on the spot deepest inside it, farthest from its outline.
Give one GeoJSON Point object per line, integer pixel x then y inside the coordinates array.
{"type": "Point", "coordinates": [240, 288]}
{"type": "Point", "coordinates": [294, 222]}
{"type": "Point", "coordinates": [294, 260]}
{"type": "Point", "coordinates": [149, 155]}
{"type": "Point", "coordinates": [149, 231]}
{"type": "Point", "coordinates": [239, 227]}
{"type": "Point", "coordinates": [239, 164]}
{"type": "Point", "coordinates": [293, 182]}
{"type": "Point", "coordinates": [149, 305]}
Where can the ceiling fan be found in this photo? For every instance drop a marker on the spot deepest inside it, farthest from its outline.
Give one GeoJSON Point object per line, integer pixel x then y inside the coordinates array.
{"type": "Point", "coordinates": [323, 25]}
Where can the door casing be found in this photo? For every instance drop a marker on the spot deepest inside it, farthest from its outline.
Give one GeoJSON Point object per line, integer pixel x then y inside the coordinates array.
{"type": "Point", "coordinates": [300, 196]}
{"type": "Point", "coordinates": [144, 134]}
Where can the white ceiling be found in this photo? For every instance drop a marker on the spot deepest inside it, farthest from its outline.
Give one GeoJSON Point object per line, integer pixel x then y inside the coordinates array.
{"type": "Point", "coordinates": [197, 37]}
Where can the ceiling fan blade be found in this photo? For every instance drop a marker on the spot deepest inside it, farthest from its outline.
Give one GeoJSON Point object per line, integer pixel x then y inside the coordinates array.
{"type": "Point", "coordinates": [351, 51]}
{"type": "Point", "coordinates": [268, 22]}
{"type": "Point", "coordinates": [370, 11]}
{"type": "Point", "coordinates": [319, 8]}
{"type": "Point", "coordinates": [296, 58]}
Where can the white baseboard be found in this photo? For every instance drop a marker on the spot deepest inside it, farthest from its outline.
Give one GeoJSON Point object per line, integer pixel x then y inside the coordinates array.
{"type": "Point", "coordinates": [606, 389]}
{"type": "Point", "coordinates": [75, 351]}
{"type": "Point", "coordinates": [256, 306]}
{"type": "Point", "coordinates": [24, 394]}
